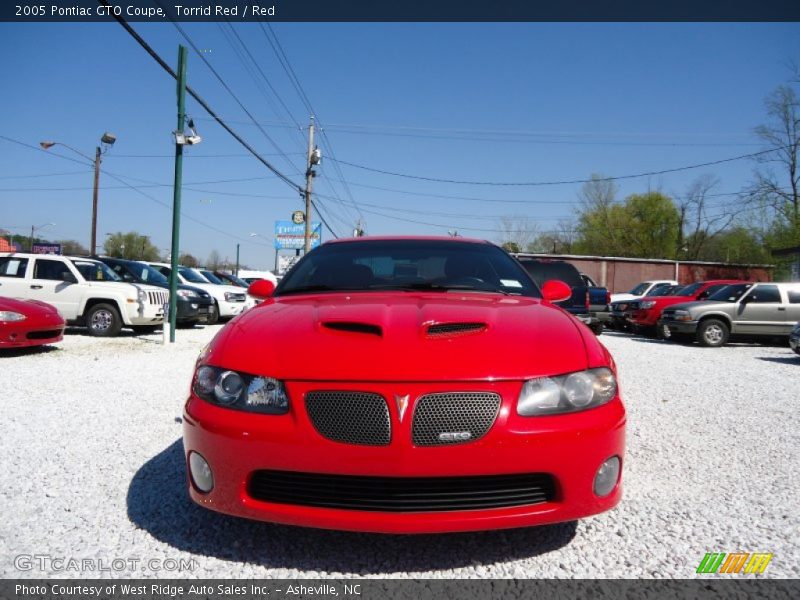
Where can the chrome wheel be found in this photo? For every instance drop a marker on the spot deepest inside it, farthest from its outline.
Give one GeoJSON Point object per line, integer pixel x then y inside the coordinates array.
{"type": "Point", "coordinates": [102, 320]}
{"type": "Point", "coordinates": [714, 334]}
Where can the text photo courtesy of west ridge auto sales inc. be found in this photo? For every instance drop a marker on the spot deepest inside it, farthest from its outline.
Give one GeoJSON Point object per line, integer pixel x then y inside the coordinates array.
{"type": "Point", "coordinates": [399, 301]}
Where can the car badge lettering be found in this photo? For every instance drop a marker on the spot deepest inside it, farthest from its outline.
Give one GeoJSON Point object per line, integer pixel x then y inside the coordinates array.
{"type": "Point", "coordinates": [402, 405]}
{"type": "Point", "coordinates": [454, 436]}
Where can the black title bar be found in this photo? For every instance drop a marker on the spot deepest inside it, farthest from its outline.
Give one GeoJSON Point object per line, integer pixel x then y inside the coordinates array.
{"type": "Point", "coordinates": [401, 10]}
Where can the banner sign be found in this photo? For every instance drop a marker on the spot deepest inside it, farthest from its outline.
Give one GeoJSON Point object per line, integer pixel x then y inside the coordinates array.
{"type": "Point", "coordinates": [46, 249]}
{"type": "Point", "coordinates": [291, 236]}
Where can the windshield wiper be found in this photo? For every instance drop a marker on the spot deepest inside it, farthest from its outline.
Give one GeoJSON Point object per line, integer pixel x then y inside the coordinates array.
{"type": "Point", "coordinates": [309, 288]}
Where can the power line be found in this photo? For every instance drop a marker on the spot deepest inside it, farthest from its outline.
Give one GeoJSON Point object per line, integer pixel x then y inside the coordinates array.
{"type": "Point", "coordinates": [207, 108]}
{"type": "Point", "coordinates": [565, 182]}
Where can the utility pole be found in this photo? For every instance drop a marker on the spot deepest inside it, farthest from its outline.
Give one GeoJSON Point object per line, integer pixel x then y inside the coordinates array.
{"type": "Point", "coordinates": [237, 261]}
{"type": "Point", "coordinates": [176, 199]}
{"type": "Point", "coordinates": [94, 199]}
{"type": "Point", "coordinates": [309, 180]}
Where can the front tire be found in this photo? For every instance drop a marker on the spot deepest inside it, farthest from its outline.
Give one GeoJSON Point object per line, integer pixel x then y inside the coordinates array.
{"type": "Point", "coordinates": [213, 316]}
{"type": "Point", "coordinates": [597, 328]}
{"type": "Point", "coordinates": [712, 333]}
{"type": "Point", "coordinates": [103, 320]}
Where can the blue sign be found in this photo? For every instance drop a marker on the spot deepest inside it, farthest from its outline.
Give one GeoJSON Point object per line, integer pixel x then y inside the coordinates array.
{"type": "Point", "coordinates": [291, 236]}
{"type": "Point", "coordinates": [46, 249]}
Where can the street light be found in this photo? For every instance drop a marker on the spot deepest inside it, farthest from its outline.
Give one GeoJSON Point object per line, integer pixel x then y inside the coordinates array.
{"type": "Point", "coordinates": [36, 227]}
{"type": "Point", "coordinates": [106, 141]}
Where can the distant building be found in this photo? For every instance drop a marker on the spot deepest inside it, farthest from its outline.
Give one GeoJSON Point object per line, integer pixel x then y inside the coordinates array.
{"type": "Point", "coordinates": [619, 274]}
{"type": "Point", "coordinates": [6, 246]}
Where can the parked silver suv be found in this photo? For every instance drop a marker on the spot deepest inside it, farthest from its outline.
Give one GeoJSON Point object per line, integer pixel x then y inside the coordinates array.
{"type": "Point", "coordinates": [751, 309]}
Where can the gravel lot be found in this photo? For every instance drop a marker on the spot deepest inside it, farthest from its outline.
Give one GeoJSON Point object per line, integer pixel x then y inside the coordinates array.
{"type": "Point", "coordinates": [92, 457]}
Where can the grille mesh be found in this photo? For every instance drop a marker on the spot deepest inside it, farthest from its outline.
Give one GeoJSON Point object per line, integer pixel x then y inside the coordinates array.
{"type": "Point", "coordinates": [350, 417]}
{"type": "Point", "coordinates": [454, 329]}
{"type": "Point", "coordinates": [454, 412]}
{"type": "Point", "coordinates": [158, 298]}
{"type": "Point", "coordinates": [401, 494]}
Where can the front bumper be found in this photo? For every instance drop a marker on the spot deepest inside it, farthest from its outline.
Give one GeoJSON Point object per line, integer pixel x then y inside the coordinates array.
{"type": "Point", "coordinates": [569, 447]}
{"type": "Point", "coordinates": [231, 309]}
{"type": "Point", "coordinates": [22, 335]}
{"type": "Point", "coordinates": [642, 317]}
{"type": "Point", "coordinates": [679, 327]}
{"type": "Point", "coordinates": [144, 314]}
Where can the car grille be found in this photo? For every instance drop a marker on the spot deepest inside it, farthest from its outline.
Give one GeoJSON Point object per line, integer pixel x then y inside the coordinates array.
{"type": "Point", "coordinates": [159, 298]}
{"type": "Point", "coordinates": [401, 494]}
{"type": "Point", "coordinates": [454, 417]}
{"type": "Point", "coordinates": [633, 306]}
{"type": "Point", "coordinates": [350, 417]}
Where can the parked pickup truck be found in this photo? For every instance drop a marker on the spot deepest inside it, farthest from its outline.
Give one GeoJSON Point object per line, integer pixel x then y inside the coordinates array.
{"type": "Point", "coordinates": [589, 303]}
{"type": "Point", "coordinates": [85, 292]}
{"type": "Point", "coordinates": [746, 309]}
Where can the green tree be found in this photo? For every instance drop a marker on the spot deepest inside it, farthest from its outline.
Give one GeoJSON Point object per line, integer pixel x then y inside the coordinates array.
{"type": "Point", "coordinates": [214, 261]}
{"type": "Point", "coordinates": [73, 248]}
{"type": "Point", "coordinates": [187, 260]}
{"type": "Point", "coordinates": [131, 245]}
{"type": "Point", "coordinates": [643, 226]}
{"type": "Point", "coordinates": [511, 247]}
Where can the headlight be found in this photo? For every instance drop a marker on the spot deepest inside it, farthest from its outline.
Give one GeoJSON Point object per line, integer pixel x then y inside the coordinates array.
{"type": "Point", "coordinates": [241, 391]}
{"type": "Point", "coordinates": [682, 315]}
{"type": "Point", "coordinates": [234, 297]}
{"type": "Point", "coordinates": [141, 295]}
{"type": "Point", "coordinates": [647, 304]}
{"type": "Point", "coordinates": [10, 315]}
{"type": "Point", "coordinates": [187, 294]}
{"type": "Point", "coordinates": [567, 393]}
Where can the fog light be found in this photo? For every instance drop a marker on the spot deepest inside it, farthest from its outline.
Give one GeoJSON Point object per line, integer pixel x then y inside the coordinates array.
{"type": "Point", "coordinates": [202, 477]}
{"type": "Point", "coordinates": [607, 476]}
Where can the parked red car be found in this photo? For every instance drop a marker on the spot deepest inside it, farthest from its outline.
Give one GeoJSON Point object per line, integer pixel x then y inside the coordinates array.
{"type": "Point", "coordinates": [29, 323]}
{"type": "Point", "coordinates": [643, 314]}
{"type": "Point", "coordinates": [405, 385]}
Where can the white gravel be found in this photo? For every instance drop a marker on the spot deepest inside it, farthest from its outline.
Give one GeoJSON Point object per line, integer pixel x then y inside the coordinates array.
{"type": "Point", "coordinates": [91, 456]}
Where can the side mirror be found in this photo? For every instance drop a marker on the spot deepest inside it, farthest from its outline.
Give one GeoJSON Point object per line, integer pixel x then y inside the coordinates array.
{"type": "Point", "coordinates": [68, 277]}
{"type": "Point", "coordinates": [556, 290]}
{"type": "Point", "coordinates": [261, 289]}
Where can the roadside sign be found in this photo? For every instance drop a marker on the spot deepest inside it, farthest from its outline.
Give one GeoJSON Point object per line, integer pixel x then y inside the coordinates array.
{"type": "Point", "coordinates": [291, 236]}
{"type": "Point", "coordinates": [298, 217]}
{"type": "Point", "coordinates": [46, 249]}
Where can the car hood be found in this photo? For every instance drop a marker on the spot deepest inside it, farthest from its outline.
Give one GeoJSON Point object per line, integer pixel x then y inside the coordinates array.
{"type": "Point", "coordinates": [623, 297]}
{"type": "Point", "coordinates": [27, 307]}
{"type": "Point", "coordinates": [124, 287]}
{"type": "Point", "coordinates": [386, 337]}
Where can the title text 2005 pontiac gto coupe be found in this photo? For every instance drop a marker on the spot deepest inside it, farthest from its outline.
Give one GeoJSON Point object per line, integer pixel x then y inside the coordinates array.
{"type": "Point", "coordinates": [406, 385]}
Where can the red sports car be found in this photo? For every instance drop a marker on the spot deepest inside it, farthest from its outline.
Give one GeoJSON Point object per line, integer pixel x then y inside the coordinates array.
{"type": "Point", "coordinates": [406, 385]}
{"type": "Point", "coordinates": [644, 314]}
{"type": "Point", "coordinates": [29, 323]}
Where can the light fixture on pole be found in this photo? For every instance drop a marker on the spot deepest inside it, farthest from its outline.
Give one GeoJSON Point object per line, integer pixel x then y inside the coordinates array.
{"type": "Point", "coordinates": [106, 141]}
{"type": "Point", "coordinates": [35, 228]}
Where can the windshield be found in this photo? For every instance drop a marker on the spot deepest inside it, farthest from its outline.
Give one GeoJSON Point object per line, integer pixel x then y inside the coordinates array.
{"type": "Point", "coordinates": [665, 289]}
{"type": "Point", "coordinates": [236, 280]}
{"type": "Point", "coordinates": [435, 265]}
{"type": "Point", "coordinates": [730, 293]}
{"type": "Point", "coordinates": [146, 273]}
{"type": "Point", "coordinates": [690, 290]}
{"type": "Point", "coordinates": [640, 289]}
{"type": "Point", "coordinates": [95, 271]}
{"type": "Point", "coordinates": [191, 276]}
{"type": "Point", "coordinates": [212, 278]}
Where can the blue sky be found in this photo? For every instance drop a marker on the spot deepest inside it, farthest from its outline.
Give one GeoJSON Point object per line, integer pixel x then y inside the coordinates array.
{"type": "Point", "coordinates": [562, 101]}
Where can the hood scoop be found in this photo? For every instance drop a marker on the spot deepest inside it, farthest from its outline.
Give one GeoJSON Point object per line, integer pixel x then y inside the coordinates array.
{"type": "Point", "coordinates": [450, 330]}
{"type": "Point", "coordinates": [354, 327]}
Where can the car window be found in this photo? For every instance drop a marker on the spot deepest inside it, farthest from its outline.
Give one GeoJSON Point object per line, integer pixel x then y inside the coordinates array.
{"type": "Point", "coordinates": [640, 289]}
{"type": "Point", "coordinates": [191, 276]}
{"type": "Point", "coordinates": [122, 272]}
{"type": "Point", "coordinates": [730, 293]}
{"type": "Point", "coordinates": [13, 266]}
{"type": "Point", "coordinates": [214, 279]}
{"type": "Point", "coordinates": [690, 290]}
{"type": "Point", "coordinates": [794, 297]}
{"type": "Point", "coordinates": [765, 294]}
{"type": "Point", "coordinates": [712, 289]}
{"type": "Point", "coordinates": [545, 271]}
{"type": "Point", "coordinates": [49, 269]}
{"type": "Point", "coordinates": [416, 264]}
{"type": "Point", "coordinates": [95, 271]}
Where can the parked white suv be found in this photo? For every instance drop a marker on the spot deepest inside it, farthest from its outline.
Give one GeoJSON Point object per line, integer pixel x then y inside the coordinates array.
{"type": "Point", "coordinates": [229, 302]}
{"type": "Point", "coordinates": [641, 290]}
{"type": "Point", "coordinates": [85, 292]}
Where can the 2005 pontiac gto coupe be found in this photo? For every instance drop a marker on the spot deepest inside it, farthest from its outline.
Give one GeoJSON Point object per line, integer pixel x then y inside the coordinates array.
{"type": "Point", "coordinates": [406, 385]}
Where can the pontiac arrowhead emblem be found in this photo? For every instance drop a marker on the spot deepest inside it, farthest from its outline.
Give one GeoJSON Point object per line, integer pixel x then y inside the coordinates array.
{"type": "Point", "coordinates": [402, 405]}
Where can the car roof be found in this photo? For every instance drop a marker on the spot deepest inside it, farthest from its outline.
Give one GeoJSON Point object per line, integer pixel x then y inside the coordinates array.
{"type": "Point", "coordinates": [389, 238]}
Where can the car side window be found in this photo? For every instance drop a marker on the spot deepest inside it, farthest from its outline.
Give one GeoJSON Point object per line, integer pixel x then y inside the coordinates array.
{"type": "Point", "coordinates": [765, 294]}
{"type": "Point", "coordinates": [12, 266]}
{"type": "Point", "coordinates": [794, 297]}
{"type": "Point", "coordinates": [49, 269]}
{"type": "Point", "coordinates": [122, 272]}
{"type": "Point", "coordinates": [710, 290]}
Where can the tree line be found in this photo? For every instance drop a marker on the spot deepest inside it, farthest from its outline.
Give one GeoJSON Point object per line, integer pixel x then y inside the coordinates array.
{"type": "Point", "coordinates": [701, 223]}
